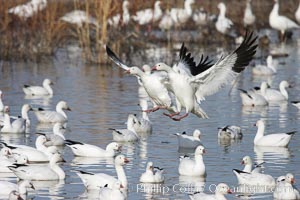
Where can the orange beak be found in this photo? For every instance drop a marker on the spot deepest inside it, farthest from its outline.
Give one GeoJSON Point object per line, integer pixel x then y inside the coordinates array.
{"type": "Point", "coordinates": [229, 191]}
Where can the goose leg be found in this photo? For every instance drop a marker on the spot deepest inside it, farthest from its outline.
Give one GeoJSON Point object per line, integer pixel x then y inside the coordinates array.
{"type": "Point", "coordinates": [181, 117]}
{"type": "Point", "coordinates": [171, 115]}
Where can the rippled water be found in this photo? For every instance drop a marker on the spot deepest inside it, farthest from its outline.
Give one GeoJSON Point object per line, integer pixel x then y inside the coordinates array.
{"type": "Point", "coordinates": [102, 97]}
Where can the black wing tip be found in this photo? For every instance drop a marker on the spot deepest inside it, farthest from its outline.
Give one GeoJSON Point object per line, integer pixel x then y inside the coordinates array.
{"type": "Point", "coordinates": [26, 86]}
{"type": "Point", "coordinates": [295, 102]}
{"type": "Point", "coordinates": [291, 133]}
{"type": "Point", "coordinates": [83, 172]}
{"type": "Point", "coordinates": [71, 142]}
{"type": "Point", "coordinates": [240, 171]}
{"type": "Point", "coordinates": [41, 109]}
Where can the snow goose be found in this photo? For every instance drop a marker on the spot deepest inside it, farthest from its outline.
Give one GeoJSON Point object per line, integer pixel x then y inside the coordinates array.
{"type": "Point", "coordinates": [254, 178]}
{"type": "Point", "coordinates": [193, 167]}
{"type": "Point", "coordinates": [49, 172]}
{"type": "Point", "coordinates": [223, 24]}
{"type": "Point", "coordinates": [88, 150]}
{"type": "Point", "coordinates": [1, 102]}
{"type": "Point", "coordinates": [113, 193]}
{"type": "Point", "coordinates": [45, 90]}
{"type": "Point", "coordinates": [200, 17]}
{"type": "Point", "coordinates": [7, 187]}
{"type": "Point", "coordinates": [285, 189]}
{"type": "Point", "coordinates": [142, 125]}
{"type": "Point", "coordinates": [152, 174]}
{"type": "Point", "coordinates": [5, 163]}
{"type": "Point", "coordinates": [166, 22]}
{"type": "Point", "coordinates": [220, 191]}
{"type": "Point", "coordinates": [230, 132]}
{"type": "Point", "coordinates": [24, 115]}
{"type": "Point", "coordinates": [79, 18]}
{"type": "Point", "coordinates": [116, 20]}
{"type": "Point", "coordinates": [181, 16]}
{"type": "Point", "coordinates": [186, 141]}
{"type": "Point", "coordinates": [191, 83]}
{"type": "Point", "coordinates": [279, 187]}
{"type": "Point", "coordinates": [154, 84]}
{"type": "Point", "coordinates": [14, 195]}
{"type": "Point", "coordinates": [247, 161]}
{"type": "Point", "coordinates": [275, 95]}
{"type": "Point", "coordinates": [27, 10]}
{"type": "Point", "coordinates": [95, 181]}
{"type": "Point", "coordinates": [57, 138]}
{"type": "Point", "coordinates": [297, 14]}
{"type": "Point", "coordinates": [274, 140]}
{"type": "Point", "coordinates": [268, 69]}
{"type": "Point", "coordinates": [249, 17]}
{"type": "Point", "coordinates": [149, 15]}
{"type": "Point", "coordinates": [59, 115]}
{"type": "Point", "coordinates": [16, 126]}
{"type": "Point", "coordinates": [279, 22]}
{"type": "Point", "coordinates": [251, 98]}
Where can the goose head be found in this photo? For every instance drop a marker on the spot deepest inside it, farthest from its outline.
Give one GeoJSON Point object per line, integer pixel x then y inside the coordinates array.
{"type": "Point", "coordinates": [22, 159]}
{"type": "Point", "coordinates": [280, 179]}
{"type": "Point", "coordinates": [161, 67]}
{"type": "Point", "coordinates": [117, 185]}
{"type": "Point", "coordinates": [62, 105]}
{"type": "Point", "coordinates": [146, 69]}
{"type": "Point", "coordinates": [200, 150]}
{"type": "Point", "coordinates": [26, 108]}
{"type": "Point", "coordinates": [157, 4]}
{"type": "Point", "coordinates": [222, 7]}
{"type": "Point", "coordinates": [114, 146]}
{"type": "Point", "coordinates": [197, 134]}
{"type": "Point", "coordinates": [284, 84]}
{"type": "Point", "coordinates": [14, 195]}
{"type": "Point", "coordinates": [1, 94]}
{"type": "Point", "coordinates": [5, 151]}
{"type": "Point", "coordinates": [47, 82]}
{"type": "Point", "coordinates": [289, 177]}
{"type": "Point", "coordinates": [259, 123]}
{"type": "Point", "coordinates": [121, 160]}
{"type": "Point", "coordinates": [125, 5]}
{"type": "Point", "coordinates": [41, 139]}
{"type": "Point", "coordinates": [149, 166]}
{"type": "Point", "coordinates": [246, 161]}
{"type": "Point", "coordinates": [134, 71]}
{"type": "Point", "coordinates": [223, 188]}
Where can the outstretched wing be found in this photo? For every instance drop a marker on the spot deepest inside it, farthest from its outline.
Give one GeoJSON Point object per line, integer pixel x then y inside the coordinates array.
{"type": "Point", "coordinates": [115, 58]}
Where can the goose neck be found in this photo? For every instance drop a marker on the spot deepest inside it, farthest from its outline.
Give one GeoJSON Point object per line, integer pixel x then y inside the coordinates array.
{"type": "Point", "coordinates": [121, 175]}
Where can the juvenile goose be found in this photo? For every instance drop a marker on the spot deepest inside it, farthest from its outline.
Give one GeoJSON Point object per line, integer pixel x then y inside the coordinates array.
{"type": "Point", "coordinates": [186, 141]}
{"type": "Point", "coordinates": [268, 69]}
{"type": "Point", "coordinates": [113, 193]}
{"type": "Point", "coordinates": [285, 189]}
{"type": "Point", "coordinates": [221, 190]}
{"type": "Point", "coordinates": [230, 132]}
{"type": "Point", "coordinates": [7, 187]}
{"type": "Point", "coordinates": [152, 174]}
{"type": "Point", "coordinates": [59, 115]}
{"type": "Point", "coordinates": [45, 90]}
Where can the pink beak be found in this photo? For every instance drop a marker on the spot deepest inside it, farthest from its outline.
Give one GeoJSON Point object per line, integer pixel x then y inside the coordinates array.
{"type": "Point", "coordinates": [154, 68]}
{"type": "Point", "coordinates": [126, 160]}
{"type": "Point", "coordinates": [127, 71]}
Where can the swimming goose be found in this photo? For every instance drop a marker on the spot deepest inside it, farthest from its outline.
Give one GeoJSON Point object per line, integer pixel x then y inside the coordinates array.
{"type": "Point", "coordinates": [274, 140]}
{"type": "Point", "coordinates": [113, 193]}
{"type": "Point", "coordinates": [249, 17]}
{"type": "Point", "coordinates": [193, 167]}
{"type": "Point", "coordinates": [117, 20]}
{"type": "Point", "coordinates": [221, 190]}
{"type": "Point", "coordinates": [230, 132]}
{"type": "Point", "coordinates": [254, 178]}
{"type": "Point", "coordinates": [14, 195]}
{"type": "Point", "coordinates": [7, 187]}
{"type": "Point", "coordinates": [59, 115]}
{"type": "Point", "coordinates": [79, 18]}
{"type": "Point", "coordinates": [88, 150]}
{"type": "Point", "coordinates": [27, 10]}
{"type": "Point", "coordinates": [95, 181]}
{"type": "Point", "coordinates": [49, 172]}
{"type": "Point", "coordinates": [279, 22]}
{"type": "Point", "coordinates": [13, 126]}
{"type": "Point", "coordinates": [149, 15]}
{"type": "Point", "coordinates": [186, 141]}
{"type": "Point", "coordinates": [142, 125]}
{"type": "Point", "coordinates": [152, 174]}
{"type": "Point", "coordinates": [251, 98]}
{"type": "Point", "coordinates": [181, 16]}
{"type": "Point", "coordinates": [273, 94]}
{"type": "Point", "coordinates": [191, 83]}
{"type": "Point", "coordinates": [38, 90]}
{"type": "Point", "coordinates": [247, 161]}
{"type": "Point", "coordinates": [223, 24]}
{"type": "Point", "coordinates": [57, 138]}
{"type": "Point", "coordinates": [285, 189]}
{"type": "Point", "coordinates": [268, 69]}
{"type": "Point", "coordinates": [6, 162]}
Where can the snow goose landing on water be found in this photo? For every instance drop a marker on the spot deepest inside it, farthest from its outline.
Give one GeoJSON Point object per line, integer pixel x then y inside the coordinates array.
{"type": "Point", "coordinates": [95, 181]}
{"type": "Point", "coordinates": [275, 140]}
{"type": "Point", "coordinates": [275, 95]}
{"type": "Point", "coordinates": [113, 193]}
{"type": "Point", "coordinates": [268, 69]}
{"type": "Point", "coordinates": [221, 190]}
{"type": "Point", "coordinates": [7, 187]}
{"type": "Point", "coordinates": [230, 132]}
{"type": "Point", "coordinates": [148, 15]}
{"type": "Point", "coordinates": [279, 22]}
{"type": "Point", "coordinates": [249, 17]}
{"type": "Point", "coordinates": [46, 116]}
{"type": "Point", "coordinates": [186, 141]}
{"type": "Point", "coordinates": [117, 20]}
{"type": "Point", "coordinates": [251, 98]}
{"type": "Point", "coordinates": [285, 189]}
{"type": "Point", "coordinates": [193, 167]}
{"type": "Point", "coordinates": [38, 90]}
{"type": "Point", "coordinates": [181, 16]}
{"type": "Point", "coordinates": [223, 24]}
{"type": "Point", "coordinates": [152, 174]}
{"type": "Point", "coordinates": [190, 83]}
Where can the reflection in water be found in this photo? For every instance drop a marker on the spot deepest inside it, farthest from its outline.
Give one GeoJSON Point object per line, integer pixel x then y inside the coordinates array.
{"type": "Point", "coordinates": [192, 184]}
{"type": "Point", "coordinates": [89, 161]}
{"type": "Point", "coordinates": [259, 110]}
{"type": "Point", "coordinates": [272, 154]}
{"type": "Point", "coordinates": [39, 101]}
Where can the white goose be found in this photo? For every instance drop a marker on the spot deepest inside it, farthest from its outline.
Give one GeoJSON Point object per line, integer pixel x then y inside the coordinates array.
{"type": "Point", "coordinates": [223, 24]}
{"type": "Point", "coordinates": [116, 20]}
{"type": "Point", "coordinates": [57, 138]}
{"type": "Point", "coordinates": [254, 178]}
{"type": "Point", "coordinates": [181, 16]}
{"type": "Point", "coordinates": [95, 181]}
{"type": "Point", "coordinates": [268, 69]}
{"type": "Point", "coordinates": [79, 18]}
{"type": "Point", "coordinates": [275, 95]}
{"type": "Point", "coordinates": [49, 172]}
{"type": "Point", "coordinates": [27, 10]}
{"type": "Point", "coordinates": [230, 132]}
{"type": "Point", "coordinates": [285, 189]}
{"type": "Point", "coordinates": [45, 90]}
{"type": "Point", "coordinates": [113, 193]}
{"type": "Point", "coordinates": [1, 102]}
{"type": "Point", "coordinates": [14, 195]}
{"type": "Point", "coordinates": [152, 174]}
{"type": "Point", "coordinates": [88, 150]}
{"type": "Point", "coordinates": [149, 15]}
{"type": "Point", "coordinates": [16, 126]}
{"type": "Point", "coordinates": [191, 83]}
{"type": "Point", "coordinates": [274, 140]}
{"type": "Point", "coordinates": [200, 17]}
{"type": "Point", "coordinates": [59, 115]}
{"type": "Point", "coordinates": [297, 14]}
{"type": "Point", "coordinates": [6, 162]}
{"type": "Point", "coordinates": [221, 190]}
{"type": "Point", "coordinates": [186, 141]}
{"type": "Point", "coordinates": [279, 22]}
{"type": "Point", "coordinates": [142, 125]}
{"type": "Point", "coordinates": [193, 167]}
{"type": "Point", "coordinates": [166, 22]}
{"type": "Point", "coordinates": [251, 98]}
{"type": "Point", "coordinates": [247, 161]}
{"type": "Point", "coordinates": [249, 17]}
{"type": "Point", "coordinates": [7, 187]}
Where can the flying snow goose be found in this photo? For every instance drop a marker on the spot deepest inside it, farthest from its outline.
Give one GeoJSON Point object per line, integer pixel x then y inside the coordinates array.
{"type": "Point", "coordinates": [280, 22]}
{"type": "Point", "coordinates": [251, 98]}
{"type": "Point", "coordinates": [274, 140]}
{"type": "Point", "coordinates": [182, 15]}
{"type": "Point", "coordinates": [44, 90]}
{"type": "Point", "coordinates": [186, 141]}
{"type": "Point", "coordinates": [59, 115]}
{"type": "Point", "coordinates": [95, 181]}
{"type": "Point", "coordinates": [79, 18]}
{"type": "Point", "coordinates": [249, 17]}
{"type": "Point", "coordinates": [223, 24]}
{"type": "Point", "coordinates": [149, 15]}
{"type": "Point", "coordinates": [7, 187]}
{"type": "Point", "coordinates": [27, 10]}
{"type": "Point", "coordinates": [273, 94]}
{"type": "Point", "coordinates": [247, 161]}
{"type": "Point", "coordinates": [220, 191]}
{"type": "Point", "coordinates": [113, 193]}
{"type": "Point", "coordinates": [285, 189]}
{"type": "Point", "coordinates": [254, 179]}
{"type": "Point", "coordinates": [268, 69]}
{"type": "Point", "coordinates": [193, 167]}
{"type": "Point", "coordinates": [230, 132]}
{"type": "Point", "coordinates": [57, 138]}
{"type": "Point", "coordinates": [116, 20]}
{"type": "Point", "coordinates": [88, 150]}
{"type": "Point", "coordinates": [152, 174]}
{"type": "Point", "coordinates": [191, 83]}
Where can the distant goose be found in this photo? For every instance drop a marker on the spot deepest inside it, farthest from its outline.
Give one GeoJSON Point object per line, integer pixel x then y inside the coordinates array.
{"type": "Point", "coordinates": [223, 24]}
{"type": "Point", "coordinates": [254, 179]}
{"type": "Point", "coordinates": [149, 15]}
{"type": "Point", "coordinates": [88, 150]}
{"type": "Point", "coordinates": [186, 141]}
{"type": "Point", "coordinates": [251, 98]}
{"type": "Point", "coordinates": [247, 161]}
{"type": "Point", "coordinates": [79, 18]}
{"type": "Point", "coordinates": [59, 115]}
{"type": "Point", "coordinates": [27, 10]}
{"type": "Point", "coordinates": [113, 193]}
{"type": "Point", "coordinates": [193, 167]}
{"type": "Point", "coordinates": [272, 95]}
{"type": "Point", "coordinates": [268, 69]}
{"type": "Point", "coordinates": [95, 181]}
{"type": "Point", "coordinates": [220, 191]}
{"type": "Point", "coordinates": [200, 17]}
{"type": "Point", "coordinates": [57, 138]}
{"type": "Point", "coordinates": [152, 174]}
{"type": "Point", "coordinates": [280, 22]}
{"type": "Point", "coordinates": [166, 22]}
{"type": "Point", "coordinates": [7, 187]}
{"type": "Point", "coordinates": [182, 15]}
{"type": "Point", "coordinates": [39, 90]}
{"type": "Point", "coordinates": [249, 17]}
{"type": "Point", "coordinates": [285, 189]}
{"type": "Point", "coordinates": [275, 140]}
{"type": "Point", "coordinates": [230, 132]}
{"type": "Point", "coordinates": [119, 19]}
